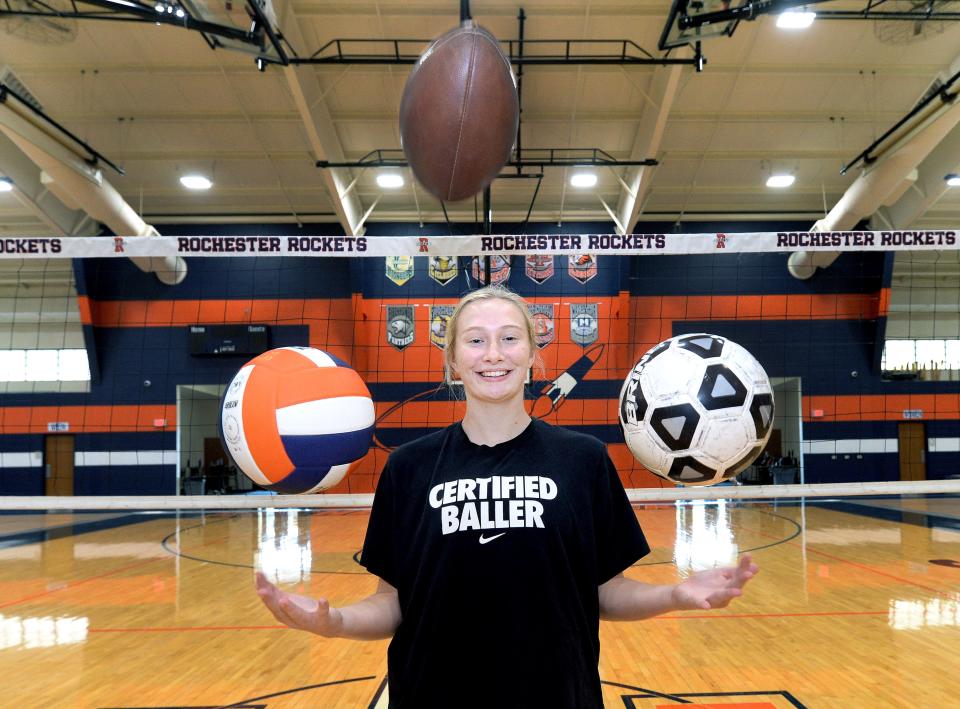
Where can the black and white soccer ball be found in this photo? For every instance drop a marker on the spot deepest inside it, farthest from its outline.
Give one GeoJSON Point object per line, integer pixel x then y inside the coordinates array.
{"type": "Point", "coordinates": [697, 409]}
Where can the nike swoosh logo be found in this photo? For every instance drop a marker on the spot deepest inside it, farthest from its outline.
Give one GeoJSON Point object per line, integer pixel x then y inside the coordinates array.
{"type": "Point", "coordinates": [484, 540]}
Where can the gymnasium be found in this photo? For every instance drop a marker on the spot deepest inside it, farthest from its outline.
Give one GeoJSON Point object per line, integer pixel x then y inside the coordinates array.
{"type": "Point", "coordinates": [188, 187]}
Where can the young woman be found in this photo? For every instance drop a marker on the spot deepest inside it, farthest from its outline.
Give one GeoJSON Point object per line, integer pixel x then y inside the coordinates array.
{"type": "Point", "coordinates": [499, 543]}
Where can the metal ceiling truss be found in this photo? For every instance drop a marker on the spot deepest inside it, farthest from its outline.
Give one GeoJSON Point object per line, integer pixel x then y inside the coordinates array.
{"type": "Point", "coordinates": [275, 50]}
{"type": "Point", "coordinates": [875, 10]}
{"type": "Point", "coordinates": [532, 157]}
{"type": "Point", "coordinates": [541, 158]}
{"type": "Point", "coordinates": [620, 52]}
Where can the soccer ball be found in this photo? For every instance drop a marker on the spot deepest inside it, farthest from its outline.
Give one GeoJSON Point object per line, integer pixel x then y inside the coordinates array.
{"type": "Point", "coordinates": [697, 409]}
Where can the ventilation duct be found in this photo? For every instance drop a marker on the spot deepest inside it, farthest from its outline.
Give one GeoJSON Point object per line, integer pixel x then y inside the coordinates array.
{"type": "Point", "coordinates": [77, 184]}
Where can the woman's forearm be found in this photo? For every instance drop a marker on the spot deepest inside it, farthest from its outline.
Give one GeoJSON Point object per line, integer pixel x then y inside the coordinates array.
{"type": "Point", "coordinates": [374, 618]}
{"type": "Point", "coordinates": [625, 599]}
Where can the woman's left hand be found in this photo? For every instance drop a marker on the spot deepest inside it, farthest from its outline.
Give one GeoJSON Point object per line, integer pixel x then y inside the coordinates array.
{"type": "Point", "coordinates": [714, 588]}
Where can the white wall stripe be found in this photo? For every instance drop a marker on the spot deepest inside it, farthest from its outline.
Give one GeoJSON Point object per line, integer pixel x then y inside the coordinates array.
{"type": "Point", "coordinates": [32, 459]}
{"type": "Point", "coordinates": [944, 445]}
{"type": "Point", "coordinates": [850, 445]}
{"type": "Point", "coordinates": [874, 445]}
{"type": "Point", "coordinates": [106, 458]}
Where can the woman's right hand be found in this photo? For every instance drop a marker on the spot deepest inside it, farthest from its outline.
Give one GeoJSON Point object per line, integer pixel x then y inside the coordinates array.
{"type": "Point", "coordinates": [299, 612]}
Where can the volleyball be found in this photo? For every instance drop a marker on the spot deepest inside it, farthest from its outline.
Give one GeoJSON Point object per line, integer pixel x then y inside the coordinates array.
{"type": "Point", "coordinates": [697, 409]}
{"type": "Point", "coordinates": [294, 418]}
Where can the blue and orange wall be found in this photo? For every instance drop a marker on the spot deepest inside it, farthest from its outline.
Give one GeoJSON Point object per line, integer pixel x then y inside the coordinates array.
{"type": "Point", "coordinates": [826, 331]}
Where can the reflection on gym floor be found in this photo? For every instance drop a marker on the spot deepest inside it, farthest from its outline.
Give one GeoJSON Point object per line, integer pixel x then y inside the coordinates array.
{"type": "Point", "coordinates": [158, 609]}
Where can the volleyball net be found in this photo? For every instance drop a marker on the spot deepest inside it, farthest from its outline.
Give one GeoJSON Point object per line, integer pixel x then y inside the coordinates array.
{"type": "Point", "coordinates": [115, 351]}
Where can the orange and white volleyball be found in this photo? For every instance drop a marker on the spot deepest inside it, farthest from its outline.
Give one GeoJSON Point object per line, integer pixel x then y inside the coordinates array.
{"type": "Point", "coordinates": [293, 419]}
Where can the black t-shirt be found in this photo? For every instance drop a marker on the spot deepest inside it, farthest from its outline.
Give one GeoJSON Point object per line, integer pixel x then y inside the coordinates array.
{"type": "Point", "coordinates": [496, 553]}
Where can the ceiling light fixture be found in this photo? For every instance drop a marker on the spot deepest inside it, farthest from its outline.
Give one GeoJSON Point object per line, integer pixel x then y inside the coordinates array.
{"type": "Point", "coordinates": [195, 182]}
{"type": "Point", "coordinates": [953, 179]}
{"type": "Point", "coordinates": [780, 181]}
{"type": "Point", "coordinates": [390, 180]}
{"type": "Point", "coordinates": [792, 20]}
{"type": "Point", "coordinates": [583, 179]}
{"type": "Point", "coordinates": [6, 184]}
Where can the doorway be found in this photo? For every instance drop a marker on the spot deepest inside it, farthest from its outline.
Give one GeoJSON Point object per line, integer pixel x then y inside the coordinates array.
{"type": "Point", "coordinates": [58, 465]}
{"type": "Point", "coordinates": [913, 453]}
{"type": "Point", "coordinates": [786, 438]}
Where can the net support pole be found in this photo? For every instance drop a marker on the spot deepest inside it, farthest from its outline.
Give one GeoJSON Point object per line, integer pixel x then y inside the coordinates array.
{"type": "Point", "coordinates": [487, 228]}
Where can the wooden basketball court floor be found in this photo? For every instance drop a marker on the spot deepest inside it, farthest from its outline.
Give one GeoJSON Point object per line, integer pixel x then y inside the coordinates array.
{"type": "Point", "coordinates": [857, 605]}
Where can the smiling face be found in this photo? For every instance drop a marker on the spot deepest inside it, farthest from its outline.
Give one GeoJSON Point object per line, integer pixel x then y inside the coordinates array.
{"type": "Point", "coordinates": [492, 351]}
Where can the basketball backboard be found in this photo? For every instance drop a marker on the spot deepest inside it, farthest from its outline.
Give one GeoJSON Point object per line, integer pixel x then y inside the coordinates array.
{"type": "Point", "coordinates": [677, 32]}
{"type": "Point", "coordinates": [256, 16]}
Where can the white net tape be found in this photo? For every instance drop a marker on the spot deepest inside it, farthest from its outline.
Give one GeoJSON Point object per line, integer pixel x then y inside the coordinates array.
{"type": "Point", "coordinates": [501, 244]}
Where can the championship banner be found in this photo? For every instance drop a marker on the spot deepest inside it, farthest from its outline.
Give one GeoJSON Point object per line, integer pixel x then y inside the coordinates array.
{"type": "Point", "coordinates": [399, 269]}
{"type": "Point", "coordinates": [439, 317]}
{"type": "Point", "coordinates": [538, 268]}
{"type": "Point", "coordinates": [582, 267]}
{"type": "Point", "coordinates": [500, 246]}
{"type": "Point", "coordinates": [543, 325]}
{"type": "Point", "coordinates": [400, 325]}
{"type": "Point", "coordinates": [499, 269]}
{"type": "Point", "coordinates": [442, 269]}
{"type": "Point", "coordinates": [584, 323]}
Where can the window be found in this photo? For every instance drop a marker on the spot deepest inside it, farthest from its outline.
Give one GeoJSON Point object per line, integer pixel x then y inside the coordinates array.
{"type": "Point", "coordinates": [925, 354]}
{"type": "Point", "coordinates": [44, 366]}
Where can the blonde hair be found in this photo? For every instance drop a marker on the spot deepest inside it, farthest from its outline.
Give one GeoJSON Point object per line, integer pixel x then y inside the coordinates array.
{"type": "Point", "coordinates": [492, 292]}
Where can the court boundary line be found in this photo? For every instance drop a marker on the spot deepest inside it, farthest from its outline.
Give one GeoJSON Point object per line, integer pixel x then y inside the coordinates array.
{"type": "Point", "coordinates": [679, 697]}
{"type": "Point", "coordinates": [70, 529]}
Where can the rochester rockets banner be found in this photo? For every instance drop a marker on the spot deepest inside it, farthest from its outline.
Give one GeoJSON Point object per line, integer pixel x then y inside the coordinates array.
{"type": "Point", "coordinates": [505, 245]}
